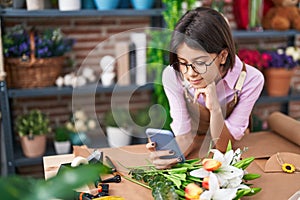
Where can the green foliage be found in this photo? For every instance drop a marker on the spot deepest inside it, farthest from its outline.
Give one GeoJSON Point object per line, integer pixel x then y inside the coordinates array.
{"type": "Point", "coordinates": [60, 186]}
{"type": "Point", "coordinates": [61, 134]}
{"type": "Point", "coordinates": [158, 56]}
{"type": "Point", "coordinates": [33, 123]}
{"type": "Point", "coordinates": [118, 117]}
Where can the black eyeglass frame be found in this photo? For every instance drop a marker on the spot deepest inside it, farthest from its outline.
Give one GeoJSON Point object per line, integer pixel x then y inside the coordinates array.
{"type": "Point", "coordinates": [193, 66]}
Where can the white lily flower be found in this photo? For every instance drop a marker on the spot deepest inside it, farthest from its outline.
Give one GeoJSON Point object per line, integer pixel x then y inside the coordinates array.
{"type": "Point", "coordinates": [228, 175]}
{"type": "Point", "coordinates": [80, 115]}
{"type": "Point", "coordinates": [215, 192]}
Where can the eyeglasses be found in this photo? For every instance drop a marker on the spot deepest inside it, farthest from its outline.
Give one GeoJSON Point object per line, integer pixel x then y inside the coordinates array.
{"type": "Point", "coordinates": [198, 66]}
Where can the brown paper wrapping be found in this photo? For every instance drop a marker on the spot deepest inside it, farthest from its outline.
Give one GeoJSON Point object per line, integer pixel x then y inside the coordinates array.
{"type": "Point", "coordinates": [285, 126]}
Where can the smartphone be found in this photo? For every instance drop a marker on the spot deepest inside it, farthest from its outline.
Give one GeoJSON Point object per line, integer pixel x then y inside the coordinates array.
{"type": "Point", "coordinates": [165, 140]}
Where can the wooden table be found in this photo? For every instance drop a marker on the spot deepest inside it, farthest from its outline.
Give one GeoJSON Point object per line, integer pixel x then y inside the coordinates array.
{"type": "Point", "coordinates": [275, 186]}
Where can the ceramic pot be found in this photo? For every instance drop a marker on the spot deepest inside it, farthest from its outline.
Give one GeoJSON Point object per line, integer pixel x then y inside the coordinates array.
{"type": "Point", "coordinates": [142, 4]}
{"type": "Point", "coordinates": [68, 5]}
{"type": "Point", "coordinates": [106, 4]}
{"type": "Point", "coordinates": [62, 147]}
{"type": "Point", "coordinates": [35, 4]}
{"type": "Point", "coordinates": [118, 137]}
{"type": "Point", "coordinates": [278, 81]}
{"type": "Point", "coordinates": [33, 147]}
{"type": "Point", "coordinates": [88, 4]}
{"type": "Point", "coordinates": [78, 138]}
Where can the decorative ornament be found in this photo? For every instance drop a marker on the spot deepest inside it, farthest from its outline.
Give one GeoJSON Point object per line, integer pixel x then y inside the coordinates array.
{"type": "Point", "coordinates": [286, 167]}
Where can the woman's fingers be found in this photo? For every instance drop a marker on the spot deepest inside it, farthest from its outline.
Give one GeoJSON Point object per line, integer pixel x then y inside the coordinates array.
{"type": "Point", "coordinates": [163, 163]}
{"type": "Point", "coordinates": [198, 92]}
{"type": "Point", "coordinates": [150, 146]}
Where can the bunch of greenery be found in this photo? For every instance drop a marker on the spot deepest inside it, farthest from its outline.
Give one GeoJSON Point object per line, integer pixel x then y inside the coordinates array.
{"type": "Point", "coordinates": [61, 134]}
{"type": "Point", "coordinates": [33, 123]}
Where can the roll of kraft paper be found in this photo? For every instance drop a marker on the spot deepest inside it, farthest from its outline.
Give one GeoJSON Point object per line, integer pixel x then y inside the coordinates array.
{"type": "Point", "coordinates": [285, 126]}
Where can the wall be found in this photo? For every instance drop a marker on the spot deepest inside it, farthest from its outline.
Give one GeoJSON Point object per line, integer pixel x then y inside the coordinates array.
{"type": "Point", "coordinates": [89, 32]}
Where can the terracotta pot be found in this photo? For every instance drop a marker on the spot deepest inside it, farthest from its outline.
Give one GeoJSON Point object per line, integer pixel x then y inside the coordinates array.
{"type": "Point", "coordinates": [278, 81]}
{"type": "Point", "coordinates": [34, 147]}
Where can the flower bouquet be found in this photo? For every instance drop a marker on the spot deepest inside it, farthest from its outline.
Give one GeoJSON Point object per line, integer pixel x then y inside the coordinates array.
{"type": "Point", "coordinates": [34, 58]}
{"type": "Point", "coordinates": [221, 177]}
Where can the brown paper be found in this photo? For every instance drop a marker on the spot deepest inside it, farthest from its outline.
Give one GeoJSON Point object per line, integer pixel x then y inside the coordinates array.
{"type": "Point", "coordinates": [285, 126]}
{"type": "Point", "coordinates": [265, 144]}
{"type": "Point", "coordinates": [274, 163]}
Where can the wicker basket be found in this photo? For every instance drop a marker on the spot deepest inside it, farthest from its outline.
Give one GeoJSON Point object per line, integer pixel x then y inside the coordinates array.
{"type": "Point", "coordinates": [32, 73]}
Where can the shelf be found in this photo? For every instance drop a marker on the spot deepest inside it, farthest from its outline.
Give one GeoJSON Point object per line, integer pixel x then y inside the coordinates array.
{"type": "Point", "coordinates": [79, 13]}
{"type": "Point", "coordinates": [21, 160]}
{"type": "Point", "coordinates": [263, 34]}
{"type": "Point", "coordinates": [264, 98]}
{"type": "Point", "coordinates": [87, 89]}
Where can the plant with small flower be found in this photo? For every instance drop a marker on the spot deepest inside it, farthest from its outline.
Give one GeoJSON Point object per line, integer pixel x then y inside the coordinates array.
{"type": "Point", "coordinates": [221, 177]}
{"type": "Point", "coordinates": [284, 57]}
{"type": "Point", "coordinates": [78, 125]}
{"type": "Point", "coordinates": [253, 57]}
{"type": "Point", "coordinates": [48, 43]}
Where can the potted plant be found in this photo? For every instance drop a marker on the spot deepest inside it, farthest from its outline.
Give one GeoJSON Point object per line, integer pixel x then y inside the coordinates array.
{"type": "Point", "coordinates": [279, 69]}
{"type": "Point", "coordinates": [118, 127]}
{"type": "Point", "coordinates": [78, 126]}
{"type": "Point", "coordinates": [32, 129]}
{"type": "Point", "coordinates": [62, 144]}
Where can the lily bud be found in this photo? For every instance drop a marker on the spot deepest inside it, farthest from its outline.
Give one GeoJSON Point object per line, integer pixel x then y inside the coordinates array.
{"type": "Point", "coordinates": [205, 183]}
{"type": "Point", "coordinates": [211, 164]}
{"type": "Point", "coordinates": [192, 191]}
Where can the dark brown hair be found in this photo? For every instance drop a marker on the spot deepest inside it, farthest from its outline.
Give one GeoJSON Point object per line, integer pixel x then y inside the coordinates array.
{"type": "Point", "coordinates": [205, 29]}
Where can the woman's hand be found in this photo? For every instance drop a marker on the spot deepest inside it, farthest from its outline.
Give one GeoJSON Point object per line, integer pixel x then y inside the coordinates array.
{"type": "Point", "coordinates": [155, 157]}
{"type": "Point", "coordinates": [186, 144]}
{"type": "Point", "coordinates": [210, 96]}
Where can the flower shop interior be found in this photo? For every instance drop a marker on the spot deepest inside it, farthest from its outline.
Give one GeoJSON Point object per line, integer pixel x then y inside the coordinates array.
{"type": "Point", "coordinates": [82, 81]}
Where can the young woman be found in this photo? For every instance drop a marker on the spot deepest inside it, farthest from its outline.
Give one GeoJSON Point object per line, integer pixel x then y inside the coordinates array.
{"type": "Point", "coordinates": [211, 92]}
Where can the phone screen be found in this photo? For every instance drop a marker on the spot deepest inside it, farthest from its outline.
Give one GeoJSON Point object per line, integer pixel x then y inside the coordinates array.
{"type": "Point", "coordinates": [165, 140]}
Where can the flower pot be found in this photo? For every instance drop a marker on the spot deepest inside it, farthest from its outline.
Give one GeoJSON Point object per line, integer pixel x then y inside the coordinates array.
{"type": "Point", "coordinates": [33, 147]}
{"type": "Point", "coordinates": [62, 147]}
{"type": "Point", "coordinates": [142, 4]}
{"type": "Point", "coordinates": [35, 4]}
{"type": "Point", "coordinates": [88, 4]}
{"type": "Point", "coordinates": [118, 137]}
{"type": "Point", "coordinates": [78, 138]}
{"type": "Point", "coordinates": [68, 5]}
{"type": "Point", "coordinates": [278, 81]}
{"type": "Point", "coordinates": [106, 5]}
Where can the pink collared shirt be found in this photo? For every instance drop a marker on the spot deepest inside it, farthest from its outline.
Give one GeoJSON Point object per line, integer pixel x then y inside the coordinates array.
{"type": "Point", "coordinates": [238, 121]}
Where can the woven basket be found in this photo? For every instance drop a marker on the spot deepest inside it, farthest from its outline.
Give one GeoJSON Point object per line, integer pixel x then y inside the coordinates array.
{"type": "Point", "coordinates": [32, 73]}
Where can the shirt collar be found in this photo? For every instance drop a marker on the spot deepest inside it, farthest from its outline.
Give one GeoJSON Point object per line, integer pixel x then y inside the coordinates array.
{"type": "Point", "coordinates": [234, 73]}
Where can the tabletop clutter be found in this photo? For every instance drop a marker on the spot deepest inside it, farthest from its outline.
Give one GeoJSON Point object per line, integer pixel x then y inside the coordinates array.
{"type": "Point", "coordinates": [276, 153]}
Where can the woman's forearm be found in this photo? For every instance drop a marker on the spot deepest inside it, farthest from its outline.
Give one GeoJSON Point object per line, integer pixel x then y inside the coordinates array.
{"type": "Point", "coordinates": [219, 131]}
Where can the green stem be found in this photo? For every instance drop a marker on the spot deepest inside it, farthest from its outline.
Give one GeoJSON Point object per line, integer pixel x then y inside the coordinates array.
{"type": "Point", "coordinates": [137, 182]}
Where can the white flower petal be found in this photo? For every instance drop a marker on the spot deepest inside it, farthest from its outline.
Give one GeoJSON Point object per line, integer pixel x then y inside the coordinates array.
{"type": "Point", "coordinates": [200, 173]}
{"type": "Point", "coordinates": [218, 155]}
{"type": "Point", "coordinates": [228, 157]}
{"type": "Point", "coordinates": [230, 172]}
{"type": "Point", "coordinates": [206, 195]}
{"type": "Point", "coordinates": [213, 183]}
{"type": "Point", "coordinates": [225, 194]}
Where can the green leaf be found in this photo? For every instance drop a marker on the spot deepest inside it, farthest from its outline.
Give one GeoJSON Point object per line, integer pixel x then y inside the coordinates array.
{"type": "Point", "coordinates": [229, 146]}
{"type": "Point", "coordinates": [251, 176]}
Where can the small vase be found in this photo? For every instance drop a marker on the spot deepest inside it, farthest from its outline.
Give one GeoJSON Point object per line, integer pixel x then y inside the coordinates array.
{"type": "Point", "coordinates": [118, 137]}
{"type": "Point", "coordinates": [278, 81]}
{"type": "Point", "coordinates": [142, 4]}
{"type": "Point", "coordinates": [106, 4]}
{"type": "Point", "coordinates": [62, 147]}
{"type": "Point", "coordinates": [35, 4]}
{"type": "Point", "coordinates": [255, 15]}
{"type": "Point", "coordinates": [68, 5]}
{"type": "Point", "coordinates": [79, 138]}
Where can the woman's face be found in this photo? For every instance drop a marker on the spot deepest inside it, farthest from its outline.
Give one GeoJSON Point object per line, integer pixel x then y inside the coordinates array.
{"type": "Point", "coordinates": [207, 64]}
